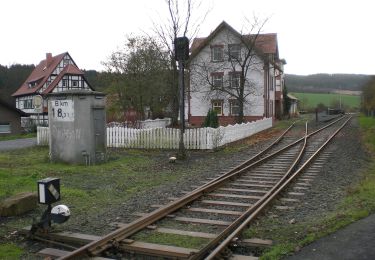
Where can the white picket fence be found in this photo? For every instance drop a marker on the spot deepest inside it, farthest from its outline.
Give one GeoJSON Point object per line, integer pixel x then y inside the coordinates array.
{"type": "Point", "coordinates": [42, 135]}
{"type": "Point", "coordinates": [148, 123]}
{"type": "Point", "coordinates": [168, 138]}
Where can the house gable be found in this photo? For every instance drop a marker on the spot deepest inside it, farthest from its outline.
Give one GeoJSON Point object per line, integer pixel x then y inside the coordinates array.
{"type": "Point", "coordinates": [45, 73]}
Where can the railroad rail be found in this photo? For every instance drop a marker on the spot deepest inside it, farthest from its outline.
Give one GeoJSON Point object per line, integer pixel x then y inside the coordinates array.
{"type": "Point", "coordinates": [259, 180]}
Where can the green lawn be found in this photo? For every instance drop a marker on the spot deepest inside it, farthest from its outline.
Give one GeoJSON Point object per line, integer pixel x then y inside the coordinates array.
{"type": "Point", "coordinates": [83, 187]}
{"type": "Point", "coordinates": [309, 101]}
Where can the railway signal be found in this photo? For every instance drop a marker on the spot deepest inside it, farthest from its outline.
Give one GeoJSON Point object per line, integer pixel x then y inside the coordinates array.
{"type": "Point", "coordinates": [181, 50]}
{"type": "Point", "coordinates": [49, 193]}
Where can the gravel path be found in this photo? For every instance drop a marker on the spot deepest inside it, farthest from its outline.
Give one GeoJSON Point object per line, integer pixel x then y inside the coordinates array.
{"type": "Point", "coordinates": [17, 144]}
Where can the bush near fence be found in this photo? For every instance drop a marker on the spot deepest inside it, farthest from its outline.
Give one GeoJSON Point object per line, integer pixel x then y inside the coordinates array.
{"type": "Point", "coordinates": [168, 138]}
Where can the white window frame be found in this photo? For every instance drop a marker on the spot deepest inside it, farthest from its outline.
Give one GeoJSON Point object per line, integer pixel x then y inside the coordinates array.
{"type": "Point", "coordinates": [75, 83]}
{"type": "Point", "coordinates": [28, 104]}
{"type": "Point", "coordinates": [218, 104]}
{"type": "Point", "coordinates": [5, 128]}
{"type": "Point", "coordinates": [217, 80]}
{"type": "Point", "coordinates": [234, 77]}
{"type": "Point", "coordinates": [217, 53]}
{"type": "Point", "coordinates": [233, 103]}
{"type": "Point", "coordinates": [234, 52]}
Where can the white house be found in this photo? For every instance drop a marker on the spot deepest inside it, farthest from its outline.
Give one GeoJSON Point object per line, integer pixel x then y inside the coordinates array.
{"type": "Point", "coordinates": [221, 62]}
{"type": "Point", "coordinates": [53, 74]}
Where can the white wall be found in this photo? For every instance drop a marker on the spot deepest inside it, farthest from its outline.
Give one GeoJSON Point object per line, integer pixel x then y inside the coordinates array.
{"type": "Point", "coordinates": [201, 66]}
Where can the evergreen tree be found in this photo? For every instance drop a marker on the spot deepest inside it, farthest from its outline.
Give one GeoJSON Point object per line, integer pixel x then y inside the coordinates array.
{"type": "Point", "coordinates": [211, 119]}
{"type": "Point", "coordinates": [287, 101]}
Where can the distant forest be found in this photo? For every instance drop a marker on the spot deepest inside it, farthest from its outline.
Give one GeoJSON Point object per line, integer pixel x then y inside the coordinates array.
{"type": "Point", "coordinates": [323, 83]}
{"type": "Point", "coordinates": [11, 79]}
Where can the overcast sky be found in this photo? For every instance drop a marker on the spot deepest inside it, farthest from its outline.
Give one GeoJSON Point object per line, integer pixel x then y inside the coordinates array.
{"type": "Point", "coordinates": [314, 36]}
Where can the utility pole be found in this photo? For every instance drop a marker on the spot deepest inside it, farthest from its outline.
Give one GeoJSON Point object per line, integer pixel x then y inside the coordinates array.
{"type": "Point", "coordinates": [181, 45]}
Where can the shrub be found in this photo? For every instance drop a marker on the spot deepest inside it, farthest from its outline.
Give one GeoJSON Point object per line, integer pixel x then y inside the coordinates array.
{"type": "Point", "coordinates": [211, 119]}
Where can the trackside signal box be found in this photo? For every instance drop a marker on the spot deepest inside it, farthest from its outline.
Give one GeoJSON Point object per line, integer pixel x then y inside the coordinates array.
{"type": "Point", "coordinates": [77, 127]}
{"type": "Point", "coordinates": [181, 48]}
{"type": "Point", "coordinates": [49, 190]}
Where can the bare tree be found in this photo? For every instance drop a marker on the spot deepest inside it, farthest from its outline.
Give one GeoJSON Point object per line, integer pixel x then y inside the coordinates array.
{"type": "Point", "coordinates": [242, 57]}
{"type": "Point", "coordinates": [182, 21]}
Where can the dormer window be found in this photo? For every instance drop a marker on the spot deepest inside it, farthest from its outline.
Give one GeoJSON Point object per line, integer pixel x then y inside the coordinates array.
{"type": "Point", "coordinates": [32, 84]}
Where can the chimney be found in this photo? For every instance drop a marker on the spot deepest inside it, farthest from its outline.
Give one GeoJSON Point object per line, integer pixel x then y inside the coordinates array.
{"type": "Point", "coordinates": [48, 59]}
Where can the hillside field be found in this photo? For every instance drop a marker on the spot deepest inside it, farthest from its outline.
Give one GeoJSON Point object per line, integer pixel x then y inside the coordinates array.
{"type": "Point", "coordinates": [309, 101]}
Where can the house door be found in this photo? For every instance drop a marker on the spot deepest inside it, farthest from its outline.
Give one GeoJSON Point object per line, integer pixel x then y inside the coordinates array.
{"type": "Point", "coordinates": [100, 133]}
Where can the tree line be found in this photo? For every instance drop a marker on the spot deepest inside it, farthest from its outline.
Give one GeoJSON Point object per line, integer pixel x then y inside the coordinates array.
{"type": "Point", "coordinates": [11, 78]}
{"type": "Point", "coordinates": [325, 82]}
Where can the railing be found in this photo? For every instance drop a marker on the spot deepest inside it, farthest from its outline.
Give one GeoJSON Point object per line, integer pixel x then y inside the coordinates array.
{"type": "Point", "coordinates": [168, 138]}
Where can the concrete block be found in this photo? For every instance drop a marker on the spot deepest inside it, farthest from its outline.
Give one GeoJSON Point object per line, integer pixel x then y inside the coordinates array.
{"type": "Point", "coordinates": [18, 204]}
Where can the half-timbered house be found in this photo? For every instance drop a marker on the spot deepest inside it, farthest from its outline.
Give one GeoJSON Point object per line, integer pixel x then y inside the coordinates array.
{"type": "Point", "coordinates": [53, 74]}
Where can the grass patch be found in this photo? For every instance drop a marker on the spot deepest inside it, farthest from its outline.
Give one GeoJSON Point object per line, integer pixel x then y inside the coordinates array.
{"type": "Point", "coordinates": [368, 126]}
{"type": "Point", "coordinates": [88, 191]}
{"type": "Point", "coordinates": [359, 203]}
{"type": "Point", "coordinates": [311, 100]}
{"type": "Point", "coordinates": [19, 136]}
{"type": "Point", "coordinates": [10, 251]}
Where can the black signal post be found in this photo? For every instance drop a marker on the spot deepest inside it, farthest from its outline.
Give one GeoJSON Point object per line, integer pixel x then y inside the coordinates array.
{"type": "Point", "coordinates": [181, 50]}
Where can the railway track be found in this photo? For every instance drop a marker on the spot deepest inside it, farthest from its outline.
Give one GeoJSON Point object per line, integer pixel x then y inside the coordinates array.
{"type": "Point", "coordinates": [216, 212]}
